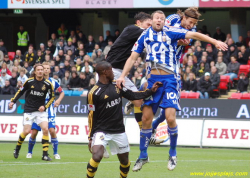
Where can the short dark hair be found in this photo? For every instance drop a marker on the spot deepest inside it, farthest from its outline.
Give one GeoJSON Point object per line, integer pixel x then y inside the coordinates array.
{"type": "Point", "coordinates": [103, 65]}
{"type": "Point", "coordinates": [142, 16]}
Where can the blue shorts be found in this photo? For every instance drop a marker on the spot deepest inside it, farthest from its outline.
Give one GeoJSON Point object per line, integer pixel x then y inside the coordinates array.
{"type": "Point", "coordinates": [52, 124]}
{"type": "Point", "coordinates": [167, 96]}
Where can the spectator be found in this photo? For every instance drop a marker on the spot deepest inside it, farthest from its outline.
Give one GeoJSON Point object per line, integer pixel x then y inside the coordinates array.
{"type": "Point", "coordinates": [231, 52]}
{"type": "Point", "coordinates": [47, 58]}
{"type": "Point", "coordinates": [91, 84]}
{"type": "Point", "coordinates": [72, 34]}
{"type": "Point", "coordinates": [81, 56]}
{"type": "Point", "coordinates": [87, 59]}
{"type": "Point", "coordinates": [16, 64]}
{"type": "Point", "coordinates": [80, 48]}
{"type": "Point", "coordinates": [191, 64]}
{"type": "Point", "coordinates": [212, 64]}
{"type": "Point", "coordinates": [69, 46]}
{"type": "Point", "coordinates": [30, 57]}
{"type": "Point", "coordinates": [183, 83]}
{"type": "Point", "coordinates": [58, 72]}
{"type": "Point", "coordinates": [62, 30]}
{"type": "Point", "coordinates": [101, 42]}
{"type": "Point", "coordinates": [8, 89]}
{"type": "Point", "coordinates": [54, 39]}
{"type": "Point", "coordinates": [78, 64]}
{"type": "Point", "coordinates": [40, 57]}
{"type": "Point", "coordinates": [18, 53]}
{"type": "Point", "coordinates": [219, 35]}
{"type": "Point", "coordinates": [137, 79]}
{"type": "Point", "coordinates": [229, 36]}
{"type": "Point", "coordinates": [1, 57]}
{"type": "Point", "coordinates": [117, 34]}
{"type": "Point", "coordinates": [191, 83]}
{"type": "Point", "coordinates": [74, 82]}
{"type": "Point", "coordinates": [22, 39]}
{"type": "Point", "coordinates": [190, 52]}
{"type": "Point", "coordinates": [19, 85]}
{"type": "Point", "coordinates": [198, 54]}
{"type": "Point", "coordinates": [247, 39]}
{"type": "Point", "coordinates": [108, 36]}
{"type": "Point", "coordinates": [4, 76]}
{"type": "Point", "coordinates": [71, 55]}
{"type": "Point", "coordinates": [22, 77]}
{"type": "Point", "coordinates": [221, 66]}
{"type": "Point", "coordinates": [204, 86]}
{"type": "Point", "coordinates": [186, 74]}
{"type": "Point", "coordinates": [4, 67]}
{"type": "Point", "coordinates": [233, 68]}
{"type": "Point", "coordinates": [27, 67]}
{"type": "Point", "coordinates": [59, 47]}
{"type": "Point", "coordinates": [90, 44]}
{"type": "Point", "coordinates": [51, 47]}
{"type": "Point", "coordinates": [61, 55]}
{"type": "Point", "coordinates": [66, 66]}
{"type": "Point", "coordinates": [230, 42]}
{"type": "Point", "coordinates": [3, 48]}
{"type": "Point", "coordinates": [210, 54]}
{"type": "Point", "coordinates": [82, 37]}
{"type": "Point", "coordinates": [74, 42]}
{"type": "Point", "coordinates": [65, 79]}
{"type": "Point", "coordinates": [240, 42]}
{"type": "Point", "coordinates": [243, 55]}
{"type": "Point", "coordinates": [42, 48]}
{"type": "Point", "coordinates": [86, 64]}
{"type": "Point", "coordinates": [84, 82]}
{"type": "Point", "coordinates": [107, 48]}
{"type": "Point", "coordinates": [214, 77]}
{"type": "Point", "coordinates": [56, 77]}
{"type": "Point", "coordinates": [224, 59]}
{"type": "Point", "coordinates": [242, 83]}
{"type": "Point", "coordinates": [7, 61]}
{"type": "Point", "coordinates": [13, 80]}
{"type": "Point", "coordinates": [99, 56]}
{"type": "Point", "coordinates": [202, 68]}
{"type": "Point", "coordinates": [88, 74]}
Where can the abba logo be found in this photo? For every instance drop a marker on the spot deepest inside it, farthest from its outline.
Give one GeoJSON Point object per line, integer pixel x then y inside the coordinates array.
{"type": "Point", "coordinates": [162, 131]}
{"type": "Point", "coordinates": [166, 2]}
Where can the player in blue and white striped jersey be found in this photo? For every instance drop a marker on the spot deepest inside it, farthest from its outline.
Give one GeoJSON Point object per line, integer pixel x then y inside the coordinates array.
{"type": "Point", "coordinates": [188, 20]}
{"type": "Point", "coordinates": [161, 45]}
{"type": "Point", "coordinates": [51, 117]}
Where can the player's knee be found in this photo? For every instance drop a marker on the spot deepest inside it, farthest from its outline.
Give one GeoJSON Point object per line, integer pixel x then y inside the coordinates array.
{"type": "Point", "coordinates": [137, 103]}
{"type": "Point", "coordinates": [171, 120]}
{"type": "Point", "coordinates": [124, 161]}
{"type": "Point", "coordinates": [26, 132]}
{"type": "Point", "coordinates": [97, 156]}
{"type": "Point", "coordinates": [52, 132]}
{"type": "Point", "coordinates": [45, 131]}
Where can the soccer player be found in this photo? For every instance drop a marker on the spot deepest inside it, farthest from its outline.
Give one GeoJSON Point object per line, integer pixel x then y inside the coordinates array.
{"type": "Point", "coordinates": [106, 119]}
{"type": "Point", "coordinates": [120, 52]}
{"type": "Point", "coordinates": [51, 116]}
{"type": "Point", "coordinates": [188, 20]}
{"type": "Point", "coordinates": [161, 45]}
{"type": "Point", "coordinates": [36, 89]}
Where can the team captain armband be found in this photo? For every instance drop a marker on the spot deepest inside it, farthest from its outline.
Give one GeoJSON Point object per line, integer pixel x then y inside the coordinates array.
{"type": "Point", "coordinates": [59, 89]}
{"type": "Point", "coordinates": [91, 107]}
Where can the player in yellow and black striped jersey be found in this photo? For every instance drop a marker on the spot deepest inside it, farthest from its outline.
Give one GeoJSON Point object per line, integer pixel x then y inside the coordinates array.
{"type": "Point", "coordinates": [36, 89]}
{"type": "Point", "coordinates": [106, 119]}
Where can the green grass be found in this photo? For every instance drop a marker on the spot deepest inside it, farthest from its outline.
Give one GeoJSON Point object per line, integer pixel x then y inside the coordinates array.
{"type": "Point", "coordinates": [74, 158]}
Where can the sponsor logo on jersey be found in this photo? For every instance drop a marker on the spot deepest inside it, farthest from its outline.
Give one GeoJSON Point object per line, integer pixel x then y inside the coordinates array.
{"type": "Point", "coordinates": [37, 93]}
{"type": "Point", "coordinates": [91, 107]}
{"type": "Point", "coordinates": [44, 87]}
{"type": "Point", "coordinates": [162, 131]}
{"type": "Point", "coordinates": [106, 96]}
{"type": "Point", "coordinates": [117, 90]}
{"type": "Point", "coordinates": [113, 103]}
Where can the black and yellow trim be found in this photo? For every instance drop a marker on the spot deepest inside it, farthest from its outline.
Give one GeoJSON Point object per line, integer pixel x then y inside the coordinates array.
{"type": "Point", "coordinates": [52, 95]}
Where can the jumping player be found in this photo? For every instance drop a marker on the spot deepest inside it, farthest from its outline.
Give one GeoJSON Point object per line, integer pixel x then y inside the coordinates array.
{"type": "Point", "coordinates": [36, 89]}
{"type": "Point", "coordinates": [106, 119]}
{"type": "Point", "coordinates": [51, 116]}
{"type": "Point", "coordinates": [161, 45]}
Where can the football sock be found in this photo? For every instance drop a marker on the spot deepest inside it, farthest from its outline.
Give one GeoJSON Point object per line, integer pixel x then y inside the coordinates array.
{"type": "Point", "coordinates": [45, 143]}
{"type": "Point", "coordinates": [20, 141]}
{"type": "Point", "coordinates": [92, 168]}
{"type": "Point", "coordinates": [124, 169]}
{"type": "Point", "coordinates": [173, 133]}
{"type": "Point", "coordinates": [138, 116]}
{"type": "Point", "coordinates": [159, 119]}
{"type": "Point", "coordinates": [54, 142]}
{"type": "Point", "coordinates": [32, 143]}
{"type": "Point", "coordinates": [145, 135]}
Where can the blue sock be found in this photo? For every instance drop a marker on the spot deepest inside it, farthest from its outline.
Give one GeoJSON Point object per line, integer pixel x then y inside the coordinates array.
{"type": "Point", "coordinates": [173, 133]}
{"type": "Point", "coordinates": [54, 142]}
{"type": "Point", "coordinates": [145, 135]}
{"type": "Point", "coordinates": [32, 142]}
{"type": "Point", "coordinates": [159, 119]}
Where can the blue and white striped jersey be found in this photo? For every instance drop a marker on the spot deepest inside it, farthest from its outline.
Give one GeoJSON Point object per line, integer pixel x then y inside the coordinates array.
{"type": "Point", "coordinates": [174, 20]}
{"type": "Point", "coordinates": [161, 46]}
{"type": "Point", "coordinates": [51, 110]}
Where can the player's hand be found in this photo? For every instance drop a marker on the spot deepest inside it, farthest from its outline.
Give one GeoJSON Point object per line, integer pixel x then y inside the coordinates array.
{"type": "Point", "coordinates": [221, 45]}
{"type": "Point", "coordinates": [183, 42]}
{"type": "Point", "coordinates": [57, 103]}
{"type": "Point", "coordinates": [41, 109]}
{"type": "Point", "coordinates": [90, 143]}
{"type": "Point", "coordinates": [11, 105]}
{"type": "Point", "coordinates": [156, 86]}
{"type": "Point", "coordinates": [120, 81]}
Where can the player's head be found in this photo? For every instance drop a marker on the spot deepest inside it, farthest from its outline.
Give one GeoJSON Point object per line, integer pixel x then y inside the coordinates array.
{"type": "Point", "coordinates": [158, 20]}
{"type": "Point", "coordinates": [189, 17]}
{"type": "Point", "coordinates": [46, 67]}
{"type": "Point", "coordinates": [38, 71]}
{"type": "Point", "coordinates": [104, 70]}
{"type": "Point", "coordinates": [143, 20]}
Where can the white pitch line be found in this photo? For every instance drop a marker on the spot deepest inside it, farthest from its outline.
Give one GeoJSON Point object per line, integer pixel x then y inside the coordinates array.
{"type": "Point", "coordinates": [104, 162]}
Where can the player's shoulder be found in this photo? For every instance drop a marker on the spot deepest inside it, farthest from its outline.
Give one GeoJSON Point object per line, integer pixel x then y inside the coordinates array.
{"type": "Point", "coordinates": [30, 80]}
{"type": "Point", "coordinates": [94, 90]}
{"type": "Point", "coordinates": [175, 29]}
{"type": "Point", "coordinates": [48, 82]}
{"type": "Point", "coordinates": [173, 16]}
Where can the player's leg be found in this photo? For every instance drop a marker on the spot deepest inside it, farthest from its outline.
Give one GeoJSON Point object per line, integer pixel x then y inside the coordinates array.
{"type": "Point", "coordinates": [54, 140]}
{"type": "Point", "coordinates": [27, 122]}
{"type": "Point", "coordinates": [45, 140]}
{"type": "Point", "coordinates": [137, 112]}
{"type": "Point", "coordinates": [156, 122]}
{"type": "Point", "coordinates": [124, 164]}
{"type": "Point", "coordinates": [32, 140]}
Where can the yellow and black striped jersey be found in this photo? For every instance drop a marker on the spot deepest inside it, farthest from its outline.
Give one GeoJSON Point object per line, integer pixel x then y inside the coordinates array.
{"type": "Point", "coordinates": [35, 95]}
{"type": "Point", "coordinates": [105, 107]}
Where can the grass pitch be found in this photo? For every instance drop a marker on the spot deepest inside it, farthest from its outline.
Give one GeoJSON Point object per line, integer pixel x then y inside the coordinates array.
{"type": "Point", "coordinates": [74, 158]}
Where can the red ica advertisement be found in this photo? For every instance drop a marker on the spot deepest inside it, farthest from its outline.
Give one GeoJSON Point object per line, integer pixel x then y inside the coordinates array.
{"type": "Point", "coordinates": [224, 3]}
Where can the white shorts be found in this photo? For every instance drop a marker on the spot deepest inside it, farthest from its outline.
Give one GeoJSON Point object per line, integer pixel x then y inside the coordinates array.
{"type": "Point", "coordinates": [118, 143]}
{"type": "Point", "coordinates": [37, 117]}
{"type": "Point", "coordinates": [128, 83]}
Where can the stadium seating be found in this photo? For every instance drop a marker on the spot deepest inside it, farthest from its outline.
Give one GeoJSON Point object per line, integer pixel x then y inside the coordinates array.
{"type": "Point", "coordinates": [244, 69]}
{"type": "Point", "coordinates": [67, 92]}
{"type": "Point", "coordinates": [225, 83]}
{"type": "Point", "coordinates": [184, 95]}
{"type": "Point", "coordinates": [248, 63]}
{"type": "Point", "coordinates": [11, 55]}
{"type": "Point", "coordinates": [236, 96]}
{"type": "Point", "coordinates": [245, 96]}
{"type": "Point", "coordinates": [193, 95]}
{"type": "Point", "coordinates": [76, 93]}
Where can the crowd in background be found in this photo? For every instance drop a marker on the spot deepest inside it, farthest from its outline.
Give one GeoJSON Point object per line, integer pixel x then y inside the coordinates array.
{"type": "Point", "coordinates": [73, 56]}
